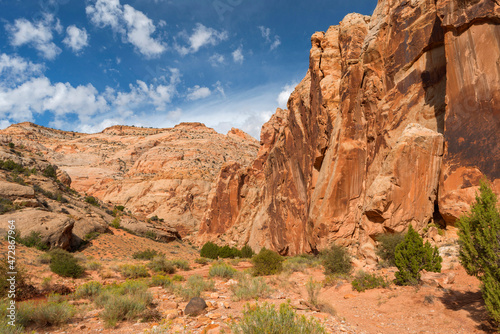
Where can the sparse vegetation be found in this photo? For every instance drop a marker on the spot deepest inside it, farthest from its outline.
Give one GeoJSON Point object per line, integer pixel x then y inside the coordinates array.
{"type": "Point", "coordinates": [479, 239]}
{"type": "Point", "coordinates": [115, 222]}
{"type": "Point", "coordinates": [222, 270]}
{"type": "Point", "coordinates": [387, 248]}
{"type": "Point", "coordinates": [250, 288]}
{"type": "Point", "coordinates": [202, 260]}
{"type": "Point", "coordinates": [365, 281]}
{"type": "Point", "coordinates": [160, 265]}
{"type": "Point", "coordinates": [160, 280]}
{"type": "Point", "coordinates": [412, 256]}
{"type": "Point", "coordinates": [147, 254]}
{"type": "Point", "coordinates": [91, 236]}
{"type": "Point", "coordinates": [32, 240]}
{"type": "Point", "coordinates": [94, 265]}
{"type": "Point", "coordinates": [194, 286]}
{"type": "Point", "coordinates": [65, 264]}
{"type": "Point", "coordinates": [267, 262]}
{"type": "Point", "coordinates": [266, 319]}
{"type": "Point", "coordinates": [89, 290]}
{"type": "Point", "coordinates": [181, 264]}
{"type": "Point", "coordinates": [336, 261]}
{"type": "Point", "coordinates": [134, 271]}
{"type": "Point", "coordinates": [313, 288]}
{"type": "Point", "coordinates": [50, 172]}
{"type": "Point", "coordinates": [92, 201]}
{"type": "Point", "coordinates": [44, 314]}
{"type": "Point", "coordinates": [300, 263]}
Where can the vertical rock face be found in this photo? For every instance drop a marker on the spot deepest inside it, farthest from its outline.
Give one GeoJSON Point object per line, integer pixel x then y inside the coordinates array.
{"type": "Point", "coordinates": [370, 142]}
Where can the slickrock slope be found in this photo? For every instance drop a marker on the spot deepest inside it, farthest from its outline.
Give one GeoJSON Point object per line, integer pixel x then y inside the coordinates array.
{"type": "Point", "coordinates": [395, 123]}
{"type": "Point", "coordinates": [152, 172]}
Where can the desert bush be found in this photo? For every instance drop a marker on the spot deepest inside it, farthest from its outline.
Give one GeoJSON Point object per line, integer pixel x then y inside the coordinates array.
{"type": "Point", "coordinates": [50, 172]}
{"type": "Point", "coordinates": [194, 286]}
{"type": "Point", "coordinates": [127, 301]}
{"type": "Point", "coordinates": [181, 264]}
{"type": "Point", "coordinates": [178, 278]}
{"type": "Point", "coordinates": [44, 258]}
{"type": "Point", "coordinates": [227, 252]}
{"type": "Point", "coordinates": [160, 265]}
{"type": "Point", "coordinates": [94, 265]}
{"type": "Point", "coordinates": [160, 280]}
{"type": "Point", "coordinates": [5, 328]}
{"type": "Point", "coordinates": [89, 290]}
{"type": "Point", "coordinates": [134, 271]}
{"type": "Point", "coordinates": [210, 250]}
{"type": "Point", "coordinates": [65, 264]}
{"type": "Point", "coordinates": [247, 252]}
{"type": "Point", "coordinates": [147, 254]}
{"type": "Point", "coordinates": [412, 256]}
{"type": "Point", "coordinates": [365, 281]}
{"type": "Point", "coordinates": [22, 284]}
{"type": "Point", "coordinates": [202, 260]}
{"type": "Point", "coordinates": [387, 248]}
{"type": "Point", "coordinates": [336, 260]}
{"type": "Point", "coordinates": [479, 240]}
{"type": "Point", "coordinates": [266, 319]}
{"type": "Point", "coordinates": [267, 262]}
{"type": "Point", "coordinates": [92, 200]}
{"type": "Point", "coordinates": [222, 269]}
{"type": "Point", "coordinates": [44, 314]}
{"type": "Point", "coordinates": [250, 288]}
{"type": "Point", "coordinates": [32, 240]}
{"type": "Point", "coordinates": [115, 222]}
{"type": "Point", "coordinates": [299, 263]}
{"type": "Point", "coordinates": [313, 288]}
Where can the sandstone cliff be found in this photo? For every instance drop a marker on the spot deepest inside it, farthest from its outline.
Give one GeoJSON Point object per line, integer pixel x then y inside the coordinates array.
{"type": "Point", "coordinates": [395, 123]}
{"type": "Point", "coordinates": [166, 173]}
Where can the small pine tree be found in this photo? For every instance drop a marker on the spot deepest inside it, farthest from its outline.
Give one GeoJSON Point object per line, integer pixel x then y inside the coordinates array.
{"type": "Point", "coordinates": [412, 256]}
{"type": "Point", "coordinates": [479, 239]}
{"type": "Point", "coordinates": [210, 250]}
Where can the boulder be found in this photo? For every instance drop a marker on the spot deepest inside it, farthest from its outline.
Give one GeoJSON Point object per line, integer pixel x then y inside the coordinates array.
{"type": "Point", "coordinates": [195, 307]}
{"type": "Point", "coordinates": [12, 190]}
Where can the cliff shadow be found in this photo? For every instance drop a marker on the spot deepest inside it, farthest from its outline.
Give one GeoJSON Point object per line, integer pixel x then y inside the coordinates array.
{"type": "Point", "coordinates": [471, 302]}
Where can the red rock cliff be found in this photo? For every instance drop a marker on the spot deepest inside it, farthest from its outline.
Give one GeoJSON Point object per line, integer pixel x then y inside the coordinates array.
{"type": "Point", "coordinates": [395, 123]}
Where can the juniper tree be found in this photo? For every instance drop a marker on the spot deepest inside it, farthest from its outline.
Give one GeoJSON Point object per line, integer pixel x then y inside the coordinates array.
{"type": "Point", "coordinates": [412, 256]}
{"type": "Point", "coordinates": [479, 239]}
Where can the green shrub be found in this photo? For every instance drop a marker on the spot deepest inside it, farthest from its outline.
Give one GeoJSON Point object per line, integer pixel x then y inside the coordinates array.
{"type": "Point", "coordinates": [134, 271]}
{"type": "Point", "coordinates": [299, 263]}
{"type": "Point", "coordinates": [147, 254]}
{"type": "Point", "coordinates": [65, 264]}
{"type": "Point", "coordinates": [194, 286]}
{"type": "Point", "coordinates": [387, 247]}
{"type": "Point", "coordinates": [313, 288]}
{"type": "Point", "coordinates": [94, 265]}
{"type": "Point", "coordinates": [227, 252]}
{"type": "Point", "coordinates": [247, 252]}
{"type": "Point", "coordinates": [336, 260]}
{"type": "Point", "coordinates": [127, 301]}
{"type": "Point", "coordinates": [115, 222]}
{"type": "Point", "coordinates": [32, 240]}
{"type": "Point", "coordinates": [412, 256]}
{"type": "Point", "coordinates": [160, 280]}
{"type": "Point", "coordinates": [222, 270]}
{"type": "Point", "coordinates": [89, 290]}
{"type": "Point", "coordinates": [44, 314]}
{"type": "Point", "coordinates": [91, 236]}
{"type": "Point", "coordinates": [50, 172]}
{"type": "Point", "coordinates": [178, 278]}
{"type": "Point", "coordinates": [267, 262]}
{"type": "Point", "coordinates": [210, 251]}
{"type": "Point", "coordinates": [202, 260]}
{"type": "Point", "coordinates": [479, 240]}
{"type": "Point", "coordinates": [92, 200]}
{"type": "Point", "coordinates": [266, 319]}
{"type": "Point", "coordinates": [181, 264]}
{"type": "Point", "coordinates": [250, 288]}
{"type": "Point", "coordinates": [365, 281]}
{"type": "Point", "coordinates": [22, 283]}
{"type": "Point", "coordinates": [160, 265]}
{"type": "Point", "coordinates": [5, 328]}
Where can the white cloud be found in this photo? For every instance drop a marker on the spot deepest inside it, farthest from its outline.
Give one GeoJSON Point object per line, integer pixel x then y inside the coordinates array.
{"type": "Point", "coordinates": [266, 34]}
{"type": "Point", "coordinates": [238, 55]}
{"type": "Point", "coordinates": [37, 35]}
{"type": "Point", "coordinates": [198, 92]}
{"type": "Point", "coordinates": [14, 69]}
{"type": "Point", "coordinates": [76, 38]}
{"type": "Point", "coordinates": [216, 60]}
{"type": "Point", "coordinates": [200, 37]}
{"type": "Point", "coordinates": [218, 87]}
{"type": "Point", "coordinates": [133, 25]}
{"type": "Point", "coordinates": [285, 95]}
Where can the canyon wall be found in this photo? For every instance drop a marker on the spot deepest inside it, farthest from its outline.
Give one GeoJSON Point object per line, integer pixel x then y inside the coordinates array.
{"type": "Point", "coordinates": [395, 123]}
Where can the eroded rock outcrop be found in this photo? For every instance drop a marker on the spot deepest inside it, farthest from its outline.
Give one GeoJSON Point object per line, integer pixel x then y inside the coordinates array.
{"type": "Point", "coordinates": [376, 136]}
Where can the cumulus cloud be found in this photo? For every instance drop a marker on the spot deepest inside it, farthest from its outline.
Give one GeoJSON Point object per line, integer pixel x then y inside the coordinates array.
{"type": "Point", "coordinates": [133, 25]}
{"type": "Point", "coordinates": [15, 69]}
{"type": "Point", "coordinates": [216, 60]}
{"type": "Point", "coordinates": [284, 95]}
{"type": "Point", "coordinates": [238, 55]}
{"type": "Point", "coordinates": [274, 42]}
{"type": "Point", "coordinates": [198, 92]}
{"type": "Point", "coordinates": [76, 39]}
{"type": "Point", "coordinates": [200, 37]}
{"type": "Point", "coordinates": [37, 35]}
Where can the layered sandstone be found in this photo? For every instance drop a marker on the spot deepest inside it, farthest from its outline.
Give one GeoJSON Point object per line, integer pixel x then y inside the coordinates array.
{"type": "Point", "coordinates": [166, 173]}
{"type": "Point", "coordinates": [394, 124]}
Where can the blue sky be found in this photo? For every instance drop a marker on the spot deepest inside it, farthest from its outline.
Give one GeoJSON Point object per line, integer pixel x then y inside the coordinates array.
{"type": "Point", "coordinates": [86, 65]}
